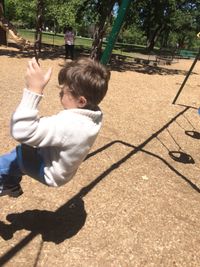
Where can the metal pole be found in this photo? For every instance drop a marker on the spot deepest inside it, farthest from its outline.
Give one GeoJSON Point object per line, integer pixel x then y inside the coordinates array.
{"type": "Point", "coordinates": [115, 31]}
{"type": "Point", "coordinates": [187, 76]}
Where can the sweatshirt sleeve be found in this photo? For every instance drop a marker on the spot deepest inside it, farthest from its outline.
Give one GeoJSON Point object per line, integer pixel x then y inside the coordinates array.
{"type": "Point", "coordinates": [27, 127]}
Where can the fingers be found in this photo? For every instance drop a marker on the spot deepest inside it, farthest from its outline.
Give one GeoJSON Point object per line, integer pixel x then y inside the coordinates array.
{"type": "Point", "coordinates": [47, 76]}
{"type": "Point", "coordinates": [33, 65]}
{"type": "Point", "coordinates": [36, 80]}
{"type": "Point", "coordinates": [30, 66]}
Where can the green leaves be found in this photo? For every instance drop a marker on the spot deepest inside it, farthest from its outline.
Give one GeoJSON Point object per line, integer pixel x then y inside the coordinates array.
{"type": "Point", "coordinates": [153, 20]}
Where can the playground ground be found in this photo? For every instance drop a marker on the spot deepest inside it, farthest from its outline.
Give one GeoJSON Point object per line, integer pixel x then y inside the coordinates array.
{"type": "Point", "coordinates": [135, 201]}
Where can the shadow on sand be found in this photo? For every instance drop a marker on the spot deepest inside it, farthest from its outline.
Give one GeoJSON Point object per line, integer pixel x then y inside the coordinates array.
{"type": "Point", "coordinates": [55, 52]}
{"type": "Point", "coordinates": [68, 219]}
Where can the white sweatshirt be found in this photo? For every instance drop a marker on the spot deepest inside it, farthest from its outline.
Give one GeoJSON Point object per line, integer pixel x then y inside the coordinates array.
{"type": "Point", "coordinates": [64, 139]}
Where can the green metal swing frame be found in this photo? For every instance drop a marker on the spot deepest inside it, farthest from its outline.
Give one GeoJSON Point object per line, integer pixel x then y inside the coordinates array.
{"type": "Point", "coordinates": [115, 31]}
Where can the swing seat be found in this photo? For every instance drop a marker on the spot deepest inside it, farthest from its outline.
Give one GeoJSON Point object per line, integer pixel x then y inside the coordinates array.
{"type": "Point", "coordinates": [181, 157]}
{"type": "Point", "coordinates": [193, 134]}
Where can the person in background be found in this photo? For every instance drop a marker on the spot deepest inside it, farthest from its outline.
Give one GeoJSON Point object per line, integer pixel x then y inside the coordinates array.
{"type": "Point", "coordinates": [69, 37]}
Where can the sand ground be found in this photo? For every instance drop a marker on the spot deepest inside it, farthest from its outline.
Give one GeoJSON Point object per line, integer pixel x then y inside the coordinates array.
{"type": "Point", "coordinates": [135, 201]}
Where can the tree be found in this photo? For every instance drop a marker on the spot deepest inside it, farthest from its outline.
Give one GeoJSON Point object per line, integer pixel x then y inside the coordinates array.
{"type": "Point", "coordinates": [160, 19]}
{"type": "Point", "coordinates": [21, 13]}
{"type": "Point", "coordinates": [156, 19]}
{"type": "Point", "coordinates": [98, 12]}
{"type": "Point", "coordinates": [2, 30]}
{"type": "Point", "coordinates": [187, 27]}
{"type": "Point", "coordinates": [9, 28]}
{"type": "Point", "coordinates": [60, 13]}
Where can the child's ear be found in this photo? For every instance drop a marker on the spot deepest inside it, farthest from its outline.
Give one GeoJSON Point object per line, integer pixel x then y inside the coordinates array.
{"type": "Point", "coordinates": [82, 102]}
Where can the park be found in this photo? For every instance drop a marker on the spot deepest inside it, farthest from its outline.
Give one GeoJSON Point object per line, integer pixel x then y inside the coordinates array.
{"type": "Point", "coordinates": [134, 201]}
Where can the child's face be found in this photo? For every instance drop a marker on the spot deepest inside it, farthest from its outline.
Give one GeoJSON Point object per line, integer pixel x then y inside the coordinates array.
{"type": "Point", "coordinates": [68, 101]}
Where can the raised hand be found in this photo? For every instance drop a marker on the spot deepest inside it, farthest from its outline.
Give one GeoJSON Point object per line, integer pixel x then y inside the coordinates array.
{"type": "Point", "coordinates": [35, 79]}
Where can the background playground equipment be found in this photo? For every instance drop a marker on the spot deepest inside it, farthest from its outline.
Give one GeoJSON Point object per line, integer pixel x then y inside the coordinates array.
{"type": "Point", "coordinates": [10, 33]}
{"type": "Point", "coordinates": [14, 37]}
{"type": "Point", "coordinates": [187, 53]}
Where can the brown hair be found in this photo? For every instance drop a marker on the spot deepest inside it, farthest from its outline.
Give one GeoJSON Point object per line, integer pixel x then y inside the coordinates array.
{"type": "Point", "coordinates": [85, 77]}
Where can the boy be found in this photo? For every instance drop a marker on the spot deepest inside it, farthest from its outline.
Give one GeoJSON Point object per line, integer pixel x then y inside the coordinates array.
{"type": "Point", "coordinates": [52, 148]}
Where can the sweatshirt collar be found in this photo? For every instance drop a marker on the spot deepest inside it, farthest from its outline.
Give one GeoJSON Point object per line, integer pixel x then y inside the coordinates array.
{"type": "Point", "coordinates": [87, 112]}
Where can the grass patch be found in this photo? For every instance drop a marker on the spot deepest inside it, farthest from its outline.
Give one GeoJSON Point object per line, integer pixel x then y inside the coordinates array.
{"type": "Point", "coordinates": [83, 43]}
{"type": "Point", "coordinates": [54, 39]}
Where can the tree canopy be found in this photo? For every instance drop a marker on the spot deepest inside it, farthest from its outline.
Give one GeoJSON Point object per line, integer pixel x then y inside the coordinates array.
{"type": "Point", "coordinates": [149, 22]}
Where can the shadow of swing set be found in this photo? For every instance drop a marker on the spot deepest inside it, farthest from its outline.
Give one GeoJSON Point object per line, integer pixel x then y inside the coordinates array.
{"type": "Point", "coordinates": [180, 155]}
{"type": "Point", "coordinates": [71, 216]}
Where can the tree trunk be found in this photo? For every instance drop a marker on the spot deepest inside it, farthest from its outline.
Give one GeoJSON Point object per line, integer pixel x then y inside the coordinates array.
{"type": "Point", "coordinates": [165, 39]}
{"type": "Point", "coordinates": [98, 41]}
{"type": "Point", "coordinates": [96, 49]}
{"type": "Point", "coordinates": [3, 40]}
{"type": "Point", "coordinates": [153, 38]}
